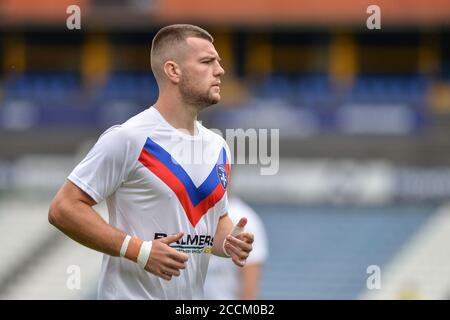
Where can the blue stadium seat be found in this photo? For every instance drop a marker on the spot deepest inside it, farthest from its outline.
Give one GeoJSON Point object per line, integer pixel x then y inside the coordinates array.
{"type": "Point", "coordinates": [140, 88]}
{"type": "Point", "coordinates": [42, 88]}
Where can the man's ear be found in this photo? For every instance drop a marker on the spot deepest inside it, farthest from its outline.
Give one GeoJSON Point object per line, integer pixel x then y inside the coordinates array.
{"type": "Point", "coordinates": [172, 71]}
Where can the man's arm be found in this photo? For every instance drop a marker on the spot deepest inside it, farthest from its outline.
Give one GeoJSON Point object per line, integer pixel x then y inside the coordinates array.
{"type": "Point", "coordinates": [250, 279]}
{"type": "Point", "coordinates": [71, 212]}
{"type": "Point", "coordinates": [237, 247]}
{"type": "Point", "coordinates": [223, 229]}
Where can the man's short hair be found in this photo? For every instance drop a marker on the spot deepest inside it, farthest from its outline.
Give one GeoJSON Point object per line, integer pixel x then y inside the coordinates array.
{"type": "Point", "coordinates": [166, 39]}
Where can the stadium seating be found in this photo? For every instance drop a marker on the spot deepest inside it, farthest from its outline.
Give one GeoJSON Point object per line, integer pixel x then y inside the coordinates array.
{"type": "Point", "coordinates": [323, 252]}
{"type": "Point", "coordinates": [61, 99]}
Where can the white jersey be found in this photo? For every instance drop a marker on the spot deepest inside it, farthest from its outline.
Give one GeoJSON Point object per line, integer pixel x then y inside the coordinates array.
{"type": "Point", "coordinates": [157, 181]}
{"type": "Point", "coordinates": [223, 281]}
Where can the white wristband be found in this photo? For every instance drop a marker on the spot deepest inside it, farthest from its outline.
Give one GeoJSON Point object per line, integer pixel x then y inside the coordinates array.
{"type": "Point", "coordinates": [124, 247]}
{"type": "Point", "coordinates": [224, 250]}
{"type": "Point", "coordinates": [144, 253]}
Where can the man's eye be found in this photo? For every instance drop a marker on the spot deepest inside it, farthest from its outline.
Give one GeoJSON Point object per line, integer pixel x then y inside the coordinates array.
{"type": "Point", "coordinates": [207, 61]}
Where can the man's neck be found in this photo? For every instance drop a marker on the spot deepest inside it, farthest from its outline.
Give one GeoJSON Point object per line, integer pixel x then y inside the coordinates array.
{"type": "Point", "coordinates": [178, 115]}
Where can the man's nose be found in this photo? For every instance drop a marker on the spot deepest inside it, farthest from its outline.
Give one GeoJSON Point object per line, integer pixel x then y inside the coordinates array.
{"type": "Point", "coordinates": [220, 71]}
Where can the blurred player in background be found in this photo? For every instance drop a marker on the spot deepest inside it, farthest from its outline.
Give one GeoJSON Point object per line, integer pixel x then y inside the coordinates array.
{"type": "Point", "coordinates": [166, 213]}
{"type": "Point", "coordinates": [226, 282]}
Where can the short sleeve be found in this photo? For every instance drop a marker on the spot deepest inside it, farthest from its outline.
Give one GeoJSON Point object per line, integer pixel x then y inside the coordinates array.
{"type": "Point", "coordinates": [106, 166]}
{"type": "Point", "coordinates": [224, 205]}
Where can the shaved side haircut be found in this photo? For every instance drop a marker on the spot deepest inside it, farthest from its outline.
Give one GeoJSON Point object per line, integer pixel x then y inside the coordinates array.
{"type": "Point", "coordinates": [167, 43]}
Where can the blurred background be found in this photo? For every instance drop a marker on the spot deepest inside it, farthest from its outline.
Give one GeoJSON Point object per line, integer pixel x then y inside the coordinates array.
{"type": "Point", "coordinates": [364, 120]}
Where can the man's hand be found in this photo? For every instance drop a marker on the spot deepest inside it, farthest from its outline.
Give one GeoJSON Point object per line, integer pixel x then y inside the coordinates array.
{"type": "Point", "coordinates": [164, 261]}
{"type": "Point", "coordinates": [239, 246]}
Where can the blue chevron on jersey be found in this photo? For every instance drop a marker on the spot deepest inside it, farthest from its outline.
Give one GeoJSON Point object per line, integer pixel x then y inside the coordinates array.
{"type": "Point", "coordinates": [196, 195]}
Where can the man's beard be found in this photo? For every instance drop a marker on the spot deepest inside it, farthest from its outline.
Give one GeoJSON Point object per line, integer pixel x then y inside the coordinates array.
{"type": "Point", "coordinates": [192, 96]}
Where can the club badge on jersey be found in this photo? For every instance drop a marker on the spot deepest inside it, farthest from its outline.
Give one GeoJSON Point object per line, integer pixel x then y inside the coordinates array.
{"type": "Point", "coordinates": [222, 174]}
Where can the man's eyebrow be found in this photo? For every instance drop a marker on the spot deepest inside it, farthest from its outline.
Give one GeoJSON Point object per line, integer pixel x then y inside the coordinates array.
{"type": "Point", "coordinates": [211, 57]}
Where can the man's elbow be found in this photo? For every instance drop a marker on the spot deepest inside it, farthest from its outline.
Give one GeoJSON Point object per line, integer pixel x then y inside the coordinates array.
{"type": "Point", "coordinates": [56, 213]}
